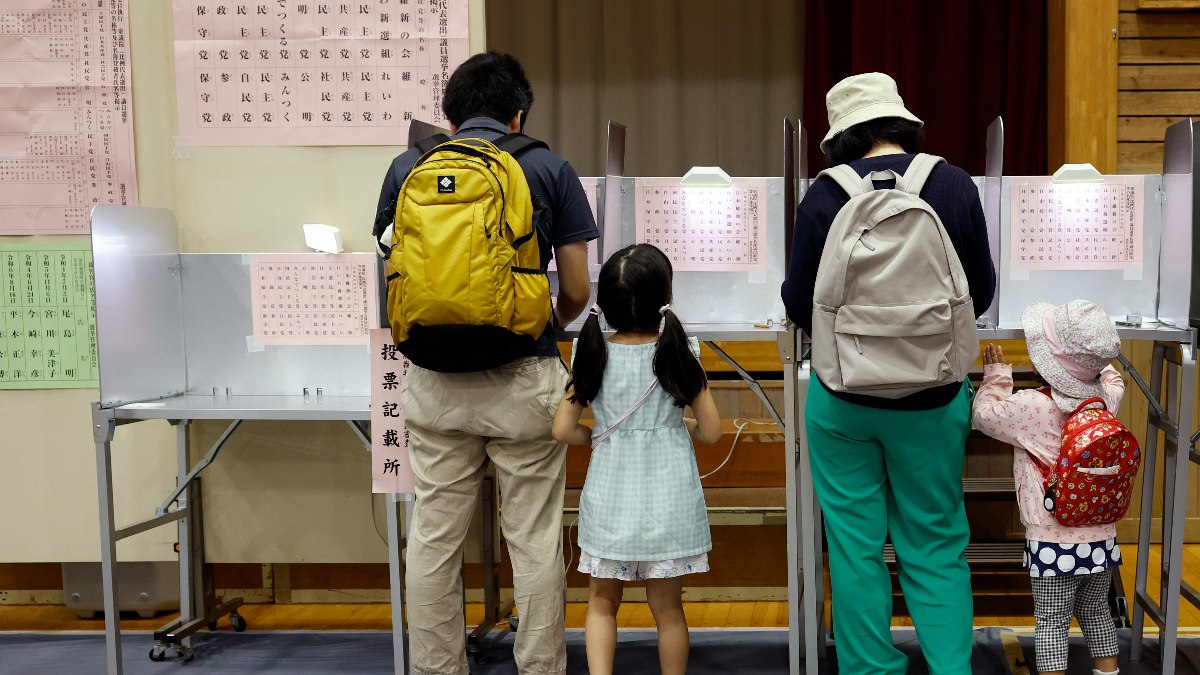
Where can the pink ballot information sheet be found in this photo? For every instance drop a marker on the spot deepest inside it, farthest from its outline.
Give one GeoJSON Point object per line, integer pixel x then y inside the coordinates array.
{"type": "Point", "coordinates": [312, 299]}
{"type": "Point", "coordinates": [66, 125]}
{"type": "Point", "coordinates": [313, 72]}
{"type": "Point", "coordinates": [1076, 226]}
{"type": "Point", "coordinates": [704, 228]}
{"type": "Point", "coordinates": [390, 470]}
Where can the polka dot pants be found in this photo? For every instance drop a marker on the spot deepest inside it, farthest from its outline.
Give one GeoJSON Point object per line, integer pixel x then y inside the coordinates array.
{"type": "Point", "coordinates": [1055, 600]}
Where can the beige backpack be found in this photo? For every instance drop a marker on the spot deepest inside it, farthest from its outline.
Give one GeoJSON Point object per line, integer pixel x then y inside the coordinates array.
{"type": "Point", "coordinates": [892, 314]}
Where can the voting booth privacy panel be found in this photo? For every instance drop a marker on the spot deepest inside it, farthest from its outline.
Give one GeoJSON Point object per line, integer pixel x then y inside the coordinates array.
{"type": "Point", "coordinates": [186, 337]}
{"type": "Point", "coordinates": [155, 304]}
{"type": "Point", "coordinates": [177, 325]}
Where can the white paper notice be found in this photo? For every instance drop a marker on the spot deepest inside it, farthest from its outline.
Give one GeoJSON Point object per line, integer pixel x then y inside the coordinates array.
{"type": "Point", "coordinates": [1076, 226]}
{"type": "Point", "coordinates": [704, 228]}
{"type": "Point", "coordinates": [312, 299]}
{"type": "Point", "coordinates": [314, 72]}
{"type": "Point", "coordinates": [66, 123]}
{"type": "Point", "coordinates": [390, 468]}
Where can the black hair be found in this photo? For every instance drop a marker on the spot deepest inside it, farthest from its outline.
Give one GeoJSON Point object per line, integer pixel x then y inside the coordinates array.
{"type": "Point", "coordinates": [634, 284]}
{"type": "Point", "coordinates": [857, 141]}
{"type": "Point", "coordinates": [487, 85]}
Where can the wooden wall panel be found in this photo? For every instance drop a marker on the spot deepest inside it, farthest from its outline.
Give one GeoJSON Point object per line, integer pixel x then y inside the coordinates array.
{"type": "Point", "coordinates": [1158, 81]}
{"type": "Point", "coordinates": [1145, 129]}
{"type": "Point", "coordinates": [1159, 24]}
{"type": "Point", "coordinates": [1158, 85]}
{"type": "Point", "coordinates": [1159, 50]}
{"type": "Point", "coordinates": [1081, 74]}
{"type": "Point", "coordinates": [1141, 103]}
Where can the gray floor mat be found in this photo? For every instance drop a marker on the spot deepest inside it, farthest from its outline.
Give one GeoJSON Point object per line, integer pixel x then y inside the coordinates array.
{"type": "Point", "coordinates": [724, 652]}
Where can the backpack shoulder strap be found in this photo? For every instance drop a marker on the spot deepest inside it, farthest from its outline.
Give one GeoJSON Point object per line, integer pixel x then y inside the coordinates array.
{"type": "Point", "coordinates": [516, 144]}
{"type": "Point", "coordinates": [427, 144]}
{"type": "Point", "coordinates": [1089, 402]}
{"type": "Point", "coordinates": [598, 438]}
{"type": "Point", "coordinates": [848, 179]}
{"type": "Point", "coordinates": [914, 179]}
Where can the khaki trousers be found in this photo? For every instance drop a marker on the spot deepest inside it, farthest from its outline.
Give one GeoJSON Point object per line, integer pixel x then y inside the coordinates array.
{"type": "Point", "coordinates": [456, 422]}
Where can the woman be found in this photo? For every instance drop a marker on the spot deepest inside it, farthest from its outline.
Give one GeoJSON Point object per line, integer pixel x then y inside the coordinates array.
{"type": "Point", "coordinates": [890, 468]}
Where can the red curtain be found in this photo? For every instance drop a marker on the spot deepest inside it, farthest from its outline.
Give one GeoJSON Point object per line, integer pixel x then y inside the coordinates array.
{"type": "Point", "coordinates": [958, 64]}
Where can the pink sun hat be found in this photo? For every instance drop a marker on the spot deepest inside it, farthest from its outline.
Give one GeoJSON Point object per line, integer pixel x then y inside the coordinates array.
{"type": "Point", "coordinates": [1069, 345]}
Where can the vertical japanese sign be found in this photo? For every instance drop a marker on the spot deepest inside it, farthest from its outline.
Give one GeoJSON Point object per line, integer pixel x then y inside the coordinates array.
{"type": "Point", "coordinates": [66, 141]}
{"type": "Point", "coordinates": [390, 470]}
{"type": "Point", "coordinates": [47, 317]}
{"type": "Point", "coordinates": [313, 72]}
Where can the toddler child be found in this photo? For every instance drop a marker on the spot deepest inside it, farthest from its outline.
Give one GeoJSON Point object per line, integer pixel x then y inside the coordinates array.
{"type": "Point", "coordinates": [1071, 347]}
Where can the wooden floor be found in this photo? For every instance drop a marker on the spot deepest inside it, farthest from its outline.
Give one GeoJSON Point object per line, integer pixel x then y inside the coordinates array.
{"type": "Point", "coordinates": [631, 615]}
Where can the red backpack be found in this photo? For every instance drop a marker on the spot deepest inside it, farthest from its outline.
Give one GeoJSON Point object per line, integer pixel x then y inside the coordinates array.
{"type": "Point", "coordinates": [1092, 481]}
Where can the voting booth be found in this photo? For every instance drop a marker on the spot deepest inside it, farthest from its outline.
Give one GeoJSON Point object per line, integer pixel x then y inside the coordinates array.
{"type": "Point", "coordinates": [210, 336]}
{"type": "Point", "coordinates": [1126, 243]}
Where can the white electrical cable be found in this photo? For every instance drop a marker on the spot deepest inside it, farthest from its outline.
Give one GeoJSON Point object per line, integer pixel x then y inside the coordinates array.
{"type": "Point", "coordinates": [571, 548]}
{"type": "Point", "coordinates": [741, 423]}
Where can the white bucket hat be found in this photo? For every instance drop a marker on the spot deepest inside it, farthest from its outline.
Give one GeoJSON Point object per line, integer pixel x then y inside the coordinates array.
{"type": "Point", "coordinates": [862, 98]}
{"type": "Point", "coordinates": [1069, 345]}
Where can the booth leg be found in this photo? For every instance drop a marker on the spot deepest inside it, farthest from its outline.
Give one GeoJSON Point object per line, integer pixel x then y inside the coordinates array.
{"type": "Point", "coordinates": [103, 427]}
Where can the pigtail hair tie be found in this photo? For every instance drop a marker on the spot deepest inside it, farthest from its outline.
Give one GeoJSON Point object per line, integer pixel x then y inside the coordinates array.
{"type": "Point", "coordinates": [663, 310]}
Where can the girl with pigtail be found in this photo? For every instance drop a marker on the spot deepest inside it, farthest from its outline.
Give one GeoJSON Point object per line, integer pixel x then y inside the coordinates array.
{"type": "Point", "coordinates": [641, 513]}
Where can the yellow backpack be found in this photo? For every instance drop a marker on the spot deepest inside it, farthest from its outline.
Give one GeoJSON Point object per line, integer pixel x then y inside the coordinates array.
{"type": "Point", "coordinates": [467, 285]}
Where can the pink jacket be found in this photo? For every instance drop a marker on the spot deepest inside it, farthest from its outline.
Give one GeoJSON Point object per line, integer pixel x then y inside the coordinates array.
{"type": "Point", "coordinates": [1033, 424]}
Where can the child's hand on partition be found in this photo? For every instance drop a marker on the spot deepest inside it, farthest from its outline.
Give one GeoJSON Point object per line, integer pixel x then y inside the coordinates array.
{"type": "Point", "coordinates": [993, 354]}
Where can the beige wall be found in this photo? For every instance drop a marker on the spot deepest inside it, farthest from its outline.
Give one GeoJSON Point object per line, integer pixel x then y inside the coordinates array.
{"type": "Point", "coordinates": [279, 492]}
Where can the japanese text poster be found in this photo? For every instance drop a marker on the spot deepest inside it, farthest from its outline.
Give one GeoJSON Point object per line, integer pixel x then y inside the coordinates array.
{"type": "Point", "coordinates": [47, 317]}
{"type": "Point", "coordinates": [313, 72]}
{"type": "Point", "coordinates": [66, 137]}
{"type": "Point", "coordinates": [390, 470]}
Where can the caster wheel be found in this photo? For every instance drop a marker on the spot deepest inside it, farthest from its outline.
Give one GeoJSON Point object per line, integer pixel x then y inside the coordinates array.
{"type": "Point", "coordinates": [513, 623]}
{"type": "Point", "coordinates": [238, 622]}
{"type": "Point", "coordinates": [186, 654]}
{"type": "Point", "coordinates": [157, 654]}
{"type": "Point", "coordinates": [212, 625]}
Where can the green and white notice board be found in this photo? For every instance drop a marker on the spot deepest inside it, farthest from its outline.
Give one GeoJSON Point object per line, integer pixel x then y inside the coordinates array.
{"type": "Point", "coordinates": [47, 316]}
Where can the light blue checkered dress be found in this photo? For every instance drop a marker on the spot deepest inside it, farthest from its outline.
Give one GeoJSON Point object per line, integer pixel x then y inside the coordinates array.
{"type": "Point", "coordinates": [642, 499]}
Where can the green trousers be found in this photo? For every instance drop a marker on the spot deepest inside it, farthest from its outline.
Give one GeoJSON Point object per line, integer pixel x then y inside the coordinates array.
{"type": "Point", "coordinates": [894, 474]}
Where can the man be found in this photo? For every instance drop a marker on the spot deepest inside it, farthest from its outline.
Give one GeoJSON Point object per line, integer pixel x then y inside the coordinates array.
{"type": "Point", "coordinates": [457, 421]}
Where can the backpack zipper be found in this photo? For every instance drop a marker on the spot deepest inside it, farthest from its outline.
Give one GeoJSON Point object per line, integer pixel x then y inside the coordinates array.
{"type": "Point", "coordinates": [857, 345]}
